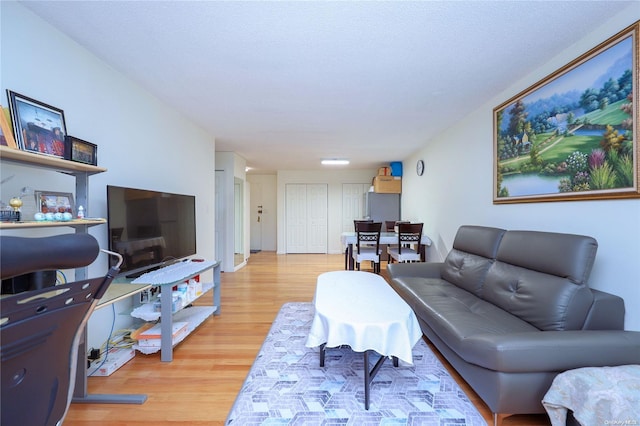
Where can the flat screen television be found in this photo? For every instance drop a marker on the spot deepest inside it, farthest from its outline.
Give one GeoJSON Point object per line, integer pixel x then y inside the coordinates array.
{"type": "Point", "coordinates": [150, 229]}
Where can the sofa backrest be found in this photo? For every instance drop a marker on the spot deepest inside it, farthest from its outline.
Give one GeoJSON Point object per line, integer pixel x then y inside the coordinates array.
{"type": "Point", "coordinates": [541, 277]}
{"type": "Point", "coordinates": [474, 250]}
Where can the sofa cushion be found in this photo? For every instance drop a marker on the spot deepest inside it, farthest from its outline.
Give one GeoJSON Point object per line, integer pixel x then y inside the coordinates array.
{"type": "Point", "coordinates": [552, 350]}
{"type": "Point", "coordinates": [474, 249]}
{"type": "Point", "coordinates": [484, 335]}
{"type": "Point", "coordinates": [564, 255]}
{"type": "Point", "coordinates": [541, 278]}
{"type": "Point", "coordinates": [481, 240]}
{"type": "Point", "coordinates": [546, 301]}
{"type": "Point", "coordinates": [455, 314]}
{"type": "Point", "coordinates": [465, 270]}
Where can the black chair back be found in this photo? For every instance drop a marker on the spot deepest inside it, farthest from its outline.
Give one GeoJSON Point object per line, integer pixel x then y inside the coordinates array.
{"type": "Point", "coordinates": [368, 234]}
{"type": "Point", "coordinates": [357, 221]}
{"type": "Point", "coordinates": [40, 330]}
{"type": "Point", "coordinates": [408, 234]}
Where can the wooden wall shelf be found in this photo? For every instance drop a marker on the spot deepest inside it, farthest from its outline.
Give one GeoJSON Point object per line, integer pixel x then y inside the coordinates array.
{"type": "Point", "coordinates": [48, 224]}
{"type": "Point", "coordinates": [34, 160]}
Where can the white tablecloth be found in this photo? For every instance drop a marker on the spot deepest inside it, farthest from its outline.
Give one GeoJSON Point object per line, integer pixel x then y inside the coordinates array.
{"type": "Point", "coordinates": [361, 310]}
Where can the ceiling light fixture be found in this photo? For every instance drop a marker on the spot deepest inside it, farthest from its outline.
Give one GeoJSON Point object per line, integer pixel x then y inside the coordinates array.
{"type": "Point", "coordinates": [334, 162]}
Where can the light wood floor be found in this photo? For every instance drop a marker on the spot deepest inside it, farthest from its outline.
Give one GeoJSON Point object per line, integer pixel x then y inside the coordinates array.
{"type": "Point", "coordinates": [209, 367]}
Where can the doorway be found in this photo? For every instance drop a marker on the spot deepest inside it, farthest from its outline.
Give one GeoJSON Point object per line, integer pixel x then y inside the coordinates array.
{"type": "Point", "coordinates": [238, 222]}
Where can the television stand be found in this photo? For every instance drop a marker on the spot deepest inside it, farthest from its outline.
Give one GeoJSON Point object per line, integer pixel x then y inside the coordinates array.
{"type": "Point", "coordinates": [166, 278]}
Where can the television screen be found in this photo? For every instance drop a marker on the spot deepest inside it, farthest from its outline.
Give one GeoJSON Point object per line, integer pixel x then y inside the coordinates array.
{"type": "Point", "coordinates": [149, 228]}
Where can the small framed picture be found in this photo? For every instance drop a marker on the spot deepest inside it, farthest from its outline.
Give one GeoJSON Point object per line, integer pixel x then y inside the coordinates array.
{"type": "Point", "coordinates": [37, 127]}
{"type": "Point", "coordinates": [81, 151]}
{"type": "Point", "coordinates": [54, 202]}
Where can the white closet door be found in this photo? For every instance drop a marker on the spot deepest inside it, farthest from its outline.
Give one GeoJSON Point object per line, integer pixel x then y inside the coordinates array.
{"type": "Point", "coordinates": [317, 218]}
{"type": "Point", "coordinates": [296, 218]}
{"type": "Point", "coordinates": [306, 218]}
{"type": "Point", "coordinates": [352, 204]}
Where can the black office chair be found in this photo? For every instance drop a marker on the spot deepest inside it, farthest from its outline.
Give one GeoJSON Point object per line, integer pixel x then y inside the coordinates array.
{"type": "Point", "coordinates": [40, 329]}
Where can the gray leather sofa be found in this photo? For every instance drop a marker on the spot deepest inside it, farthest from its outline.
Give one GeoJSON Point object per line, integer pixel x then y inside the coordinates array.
{"type": "Point", "coordinates": [512, 309]}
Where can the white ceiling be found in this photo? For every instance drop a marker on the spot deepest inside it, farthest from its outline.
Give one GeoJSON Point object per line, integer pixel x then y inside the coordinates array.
{"type": "Point", "coordinates": [285, 84]}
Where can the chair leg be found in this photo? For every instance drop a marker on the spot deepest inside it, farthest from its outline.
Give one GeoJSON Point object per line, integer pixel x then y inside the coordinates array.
{"type": "Point", "coordinates": [346, 258]}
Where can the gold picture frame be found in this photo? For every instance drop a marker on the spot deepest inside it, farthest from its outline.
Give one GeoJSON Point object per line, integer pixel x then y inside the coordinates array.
{"type": "Point", "coordinates": [574, 134]}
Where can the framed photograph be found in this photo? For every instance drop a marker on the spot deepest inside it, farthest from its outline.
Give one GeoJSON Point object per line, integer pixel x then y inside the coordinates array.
{"type": "Point", "coordinates": [54, 202]}
{"type": "Point", "coordinates": [81, 151]}
{"type": "Point", "coordinates": [38, 127]}
{"type": "Point", "coordinates": [573, 135]}
{"type": "Point", "coordinates": [6, 133]}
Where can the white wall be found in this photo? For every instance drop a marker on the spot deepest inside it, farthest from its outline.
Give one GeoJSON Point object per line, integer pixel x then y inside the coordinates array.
{"type": "Point", "coordinates": [334, 179]}
{"type": "Point", "coordinates": [141, 141]}
{"type": "Point", "coordinates": [232, 166]}
{"type": "Point", "coordinates": [456, 189]}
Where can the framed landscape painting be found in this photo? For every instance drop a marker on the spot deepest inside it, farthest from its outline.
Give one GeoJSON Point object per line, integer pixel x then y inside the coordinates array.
{"type": "Point", "coordinates": [573, 135]}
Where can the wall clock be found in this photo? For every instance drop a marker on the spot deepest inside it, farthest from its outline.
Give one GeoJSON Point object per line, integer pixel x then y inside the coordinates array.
{"type": "Point", "coordinates": [420, 167]}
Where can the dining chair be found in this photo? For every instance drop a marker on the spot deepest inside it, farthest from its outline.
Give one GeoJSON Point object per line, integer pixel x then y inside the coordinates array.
{"type": "Point", "coordinates": [408, 248]}
{"type": "Point", "coordinates": [346, 249]}
{"type": "Point", "coordinates": [368, 244]}
{"type": "Point", "coordinates": [390, 226]}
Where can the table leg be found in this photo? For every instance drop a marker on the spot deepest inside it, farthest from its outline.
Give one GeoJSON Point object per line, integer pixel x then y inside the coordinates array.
{"type": "Point", "coordinates": [322, 351]}
{"type": "Point", "coordinates": [369, 375]}
{"type": "Point", "coordinates": [367, 380]}
{"type": "Point", "coordinates": [351, 263]}
{"type": "Point", "coordinates": [346, 258]}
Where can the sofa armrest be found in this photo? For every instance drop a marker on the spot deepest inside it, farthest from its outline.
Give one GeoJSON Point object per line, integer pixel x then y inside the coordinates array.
{"type": "Point", "coordinates": [606, 313]}
{"type": "Point", "coordinates": [552, 350]}
{"type": "Point", "coordinates": [418, 269]}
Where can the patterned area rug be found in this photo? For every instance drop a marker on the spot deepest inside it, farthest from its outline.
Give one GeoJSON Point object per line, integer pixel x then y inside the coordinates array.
{"type": "Point", "coordinates": [286, 385]}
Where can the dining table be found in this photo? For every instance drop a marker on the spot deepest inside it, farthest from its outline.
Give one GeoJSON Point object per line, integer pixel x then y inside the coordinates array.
{"type": "Point", "coordinates": [348, 239]}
